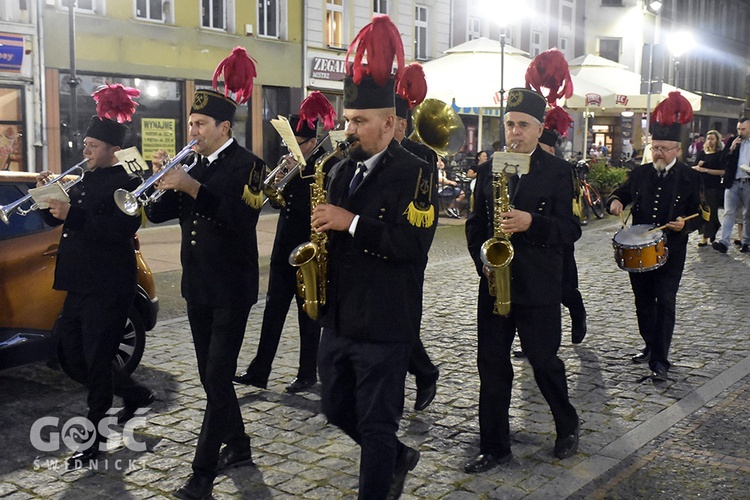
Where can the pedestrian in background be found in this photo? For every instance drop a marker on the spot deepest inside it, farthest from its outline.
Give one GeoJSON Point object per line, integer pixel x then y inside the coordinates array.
{"type": "Point", "coordinates": [737, 188]}
{"type": "Point", "coordinates": [664, 192]}
{"type": "Point", "coordinates": [217, 203]}
{"type": "Point", "coordinates": [96, 265]}
{"type": "Point", "coordinates": [292, 229]}
{"type": "Point", "coordinates": [710, 166]}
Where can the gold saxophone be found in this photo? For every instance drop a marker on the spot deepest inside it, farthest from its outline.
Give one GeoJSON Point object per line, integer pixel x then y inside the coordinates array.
{"type": "Point", "coordinates": [311, 258]}
{"type": "Point", "coordinates": [497, 252]}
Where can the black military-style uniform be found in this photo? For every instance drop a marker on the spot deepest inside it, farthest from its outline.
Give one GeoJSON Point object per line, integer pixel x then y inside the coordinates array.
{"type": "Point", "coordinates": [657, 200]}
{"type": "Point", "coordinates": [373, 277]}
{"type": "Point", "coordinates": [96, 265]}
{"type": "Point", "coordinates": [219, 255]}
{"type": "Point", "coordinates": [420, 364]}
{"type": "Point", "coordinates": [292, 229]}
{"type": "Point", "coordinates": [536, 291]}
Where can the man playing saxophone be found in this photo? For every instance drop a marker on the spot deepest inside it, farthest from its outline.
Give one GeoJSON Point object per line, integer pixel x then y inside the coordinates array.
{"type": "Point", "coordinates": [539, 223]}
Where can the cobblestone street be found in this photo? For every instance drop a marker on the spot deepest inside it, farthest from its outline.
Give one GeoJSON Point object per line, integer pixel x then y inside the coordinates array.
{"type": "Point", "coordinates": [681, 439]}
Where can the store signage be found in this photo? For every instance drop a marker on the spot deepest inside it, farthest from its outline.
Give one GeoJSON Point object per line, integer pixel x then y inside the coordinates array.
{"type": "Point", "coordinates": [593, 100]}
{"type": "Point", "coordinates": [11, 52]}
{"type": "Point", "coordinates": [328, 69]}
{"type": "Point", "coordinates": [621, 100]}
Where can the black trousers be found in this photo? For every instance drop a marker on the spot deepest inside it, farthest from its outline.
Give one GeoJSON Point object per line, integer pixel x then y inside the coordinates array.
{"type": "Point", "coordinates": [714, 198]}
{"type": "Point", "coordinates": [571, 296]}
{"type": "Point", "coordinates": [539, 328]}
{"type": "Point", "coordinates": [421, 366]}
{"type": "Point", "coordinates": [217, 336]}
{"type": "Point", "coordinates": [89, 329]}
{"type": "Point", "coordinates": [282, 288]}
{"type": "Point", "coordinates": [655, 303]}
{"type": "Point", "coordinates": [362, 392]}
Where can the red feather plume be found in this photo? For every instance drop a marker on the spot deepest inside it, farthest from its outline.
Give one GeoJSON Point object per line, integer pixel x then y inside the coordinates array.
{"type": "Point", "coordinates": [412, 85]}
{"type": "Point", "coordinates": [115, 102]}
{"type": "Point", "coordinates": [675, 108]}
{"type": "Point", "coordinates": [239, 70]}
{"type": "Point", "coordinates": [550, 70]}
{"type": "Point", "coordinates": [378, 42]}
{"type": "Point", "coordinates": [559, 120]}
{"type": "Point", "coordinates": [316, 106]}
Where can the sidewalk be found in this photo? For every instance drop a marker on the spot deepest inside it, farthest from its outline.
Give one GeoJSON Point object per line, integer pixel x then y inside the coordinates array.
{"type": "Point", "coordinates": [682, 439]}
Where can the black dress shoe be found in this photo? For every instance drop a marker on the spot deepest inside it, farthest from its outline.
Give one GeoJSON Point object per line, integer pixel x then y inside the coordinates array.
{"type": "Point", "coordinates": [197, 487]}
{"type": "Point", "coordinates": [643, 357]}
{"type": "Point", "coordinates": [578, 329]}
{"type": "Point", "coordinates": [425, 395]}
{"type": "Point", "coordinates": [231, 457]}
{"type": "Point", "coordinates": [567, 446]}
{"type": "Point", "coordinates": [660, 374]}
{"type": "Point", "coordinates": [745, 249]}
{"type": "Point", "coordinates": [404, 463]}
{"type": "Point", "coordinates": [248, 379]}
{"type": "Point", "coordinates": [719, 246]}
{"type": "Point", "coordinates": [83, 458]}
{"type": "Point", "coordinates": [299, 385]}
{"type": "Point", "coordinates": [738, 243]}
{"type": "Point", "coordinates": [486, 461]}
{"type": "Point", "coordinates": [131, 407]}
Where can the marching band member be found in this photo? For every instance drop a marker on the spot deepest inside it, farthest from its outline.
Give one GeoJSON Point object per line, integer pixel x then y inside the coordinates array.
{"type": "Point", "coordinates": [217, 204]}
{"type": "Point", "coordinates": [662, 193]}
{"type": "Point", "coordinates": [381, 224]}
{"type": "Point", "coordinates": [96, 265]}
{"type": "Point", "coordinates": [292, 229]}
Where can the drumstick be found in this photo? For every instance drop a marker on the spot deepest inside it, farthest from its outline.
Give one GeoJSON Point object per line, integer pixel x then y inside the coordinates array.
{"type": "Point", "coordinates": [665, 225]}
{"type": "Point", "coordinates": [622, 221]}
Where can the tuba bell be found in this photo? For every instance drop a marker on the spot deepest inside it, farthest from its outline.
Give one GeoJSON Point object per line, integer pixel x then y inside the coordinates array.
{"type": "Point", "coordinates": [438, 126]}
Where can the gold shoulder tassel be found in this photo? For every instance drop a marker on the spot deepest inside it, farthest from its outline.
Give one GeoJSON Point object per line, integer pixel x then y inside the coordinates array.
{"type": "Point", "coordinates": [252, 194]}
{"type": "Point", "coordinates": [420, 212]}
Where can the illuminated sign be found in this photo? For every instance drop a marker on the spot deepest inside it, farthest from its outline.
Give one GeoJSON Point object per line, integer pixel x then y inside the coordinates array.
{"type": "Point", "coordinates": [11, 52]}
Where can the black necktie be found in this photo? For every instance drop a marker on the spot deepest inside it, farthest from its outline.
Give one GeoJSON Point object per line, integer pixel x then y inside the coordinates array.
{"type": "Point", "coordinates": [358, 176]}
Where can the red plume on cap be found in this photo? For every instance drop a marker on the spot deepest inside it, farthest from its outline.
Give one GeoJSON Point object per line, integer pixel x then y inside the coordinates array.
{"type": "Point", "coordinates": [550, 70]}
{"type": "Point", "coordinates": [378, 42]}
{"type": "Point", "coordinates": [316, 106]}
{"type": "Point", "coordinates": [412, 85]}
{"type": "Point", "coordinates": [674, 109]}
{"type": "Point", "coordinates": [115, 102]}
{"type": "Point", "coordinates": [239, 71]}
{"type": "Point", "coordinates": [559, 120]}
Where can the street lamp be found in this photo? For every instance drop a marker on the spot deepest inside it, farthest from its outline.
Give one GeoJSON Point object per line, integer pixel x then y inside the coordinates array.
{"type": "Point", "coordinates": [679, 43]}
{"type": "Point", "coordinates": [653, 6]}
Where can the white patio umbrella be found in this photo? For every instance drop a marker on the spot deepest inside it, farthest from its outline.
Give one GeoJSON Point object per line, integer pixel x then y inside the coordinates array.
{"type": "Point", "coordinates": [469, 76]}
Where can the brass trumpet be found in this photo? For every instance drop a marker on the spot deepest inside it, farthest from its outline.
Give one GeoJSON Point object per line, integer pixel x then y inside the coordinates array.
{"type": "Point", "coordinates": [7, 210]}
{"type": "Point", "coordinates": [131, 202]}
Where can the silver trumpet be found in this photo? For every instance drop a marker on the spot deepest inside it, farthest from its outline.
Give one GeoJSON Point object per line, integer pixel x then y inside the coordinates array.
{"type": "Point", "coordinates": [130, 202]}
{"type": "Point", "coordinates": [7, 210]}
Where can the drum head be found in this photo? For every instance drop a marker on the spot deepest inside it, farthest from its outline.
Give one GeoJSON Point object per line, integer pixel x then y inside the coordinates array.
{"type": "Point", "coordinates": [637, 236]}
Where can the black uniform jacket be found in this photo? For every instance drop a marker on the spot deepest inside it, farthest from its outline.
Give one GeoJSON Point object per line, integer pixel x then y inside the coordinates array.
{"type": "Point", "coordinates": [546, 193]}
{"type": "Point", "coordinates": [96, 253]}
{"type": "Point", "coordinates": [293, 227]}
{"type": "Point", "coordinates": [219, 251]}
{"type": "Point", "coordinates": [375, 278]}
{"type": "Point", "coordinates": [641, 190]}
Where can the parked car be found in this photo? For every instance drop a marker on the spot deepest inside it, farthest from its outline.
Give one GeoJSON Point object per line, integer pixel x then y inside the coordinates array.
{"type": "Point", "coordinates": [29, 306]}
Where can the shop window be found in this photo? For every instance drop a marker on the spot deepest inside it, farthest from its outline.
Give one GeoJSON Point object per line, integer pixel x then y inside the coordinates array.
{"type": "Point", "coordinates": [12, 144]}
{"type": "Point", "coordinates": [157, 123]}
{"type": "Point", "coordinates": [276, 101]}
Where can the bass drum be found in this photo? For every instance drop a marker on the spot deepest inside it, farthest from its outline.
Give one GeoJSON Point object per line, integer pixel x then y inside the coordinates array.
{"type": "Point", "coordinates": [637, 250]}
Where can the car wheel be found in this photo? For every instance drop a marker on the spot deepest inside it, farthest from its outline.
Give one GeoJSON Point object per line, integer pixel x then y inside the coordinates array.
{"type": "Point", "coordinates": [129, 352]}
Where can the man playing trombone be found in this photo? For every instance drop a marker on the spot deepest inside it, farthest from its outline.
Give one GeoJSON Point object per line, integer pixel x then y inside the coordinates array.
{"type": "Point", "coordinates": [292, 229]}
{"type": "Point", "coordinates": [96, 265]}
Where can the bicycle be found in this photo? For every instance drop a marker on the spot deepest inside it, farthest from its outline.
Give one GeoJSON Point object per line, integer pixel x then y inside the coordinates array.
{"type": "Point", "coordinates": [587, 197]}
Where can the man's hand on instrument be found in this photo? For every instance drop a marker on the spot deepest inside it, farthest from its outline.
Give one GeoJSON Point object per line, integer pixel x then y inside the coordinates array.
{"type": "Point", "coordinates": [515, 221]}
{"type": "Point", "coordinates": [59, 209]}
{"type": "Point", "coordinates": [159, 159]}
{"type": "Point", "coordinates": [176, 178]}
{"type": "Point", "coordinates": [42, 178]}
{"type": "Point", "coordinates": [615, 208]}
{"type": "Point", "coordinates": [676, 225]}
{"type": "Point", "coordinates": [326, 217]}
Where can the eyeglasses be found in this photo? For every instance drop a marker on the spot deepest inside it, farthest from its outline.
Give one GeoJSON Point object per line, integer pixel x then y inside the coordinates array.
{"type": "Point", "coordinates": [661, 150]}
